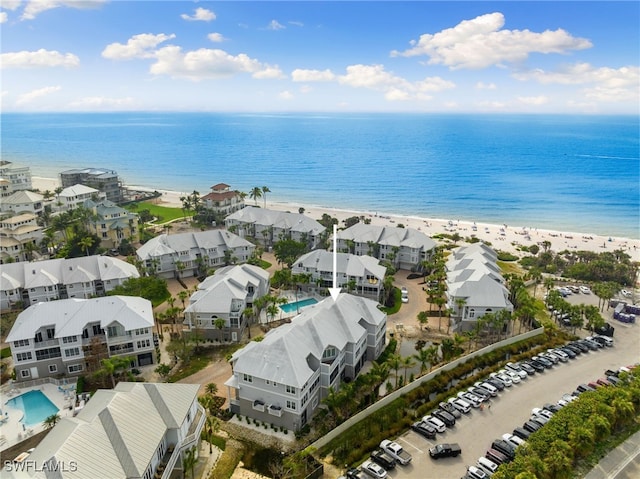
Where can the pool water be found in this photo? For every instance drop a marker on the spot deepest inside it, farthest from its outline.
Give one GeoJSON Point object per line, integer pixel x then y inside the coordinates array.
{"type": "Point", "coordinates": [292, 307]}
{"type": "Point", "coordinates": [35, 405]}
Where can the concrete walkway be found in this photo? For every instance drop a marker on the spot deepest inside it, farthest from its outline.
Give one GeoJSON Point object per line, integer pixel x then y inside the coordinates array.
{"type": "Point", "coordinates": [621, 463]}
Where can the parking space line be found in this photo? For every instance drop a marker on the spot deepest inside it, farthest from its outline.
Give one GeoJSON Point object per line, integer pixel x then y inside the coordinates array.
{"type": "Point", "coordinates": [404, 439]}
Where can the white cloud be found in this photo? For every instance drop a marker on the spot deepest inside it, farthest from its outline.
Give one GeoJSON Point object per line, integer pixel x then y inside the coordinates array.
{"type": "Point", "coordinates": [481, 42]}
{"type": "Point", "coordinates": [10, 4]}
{"type": "Point", "coordinates": [38, 59]}
{"type": "Point", "coordinates": [533, 100]}
{"type": "Point", "coordinates": [35, 7]}
{"type": "Point", "coordinates": [285, 95]}
{"type": "Point", "coordinates": [3, 17]}
{"type": "Point", "coordinates": [491, 105]}
{"type": "Point", "coordinates": [94, 102]}
{"type": "Point", "coordinates": [138, 46]}
{"type": "Point", "coordinates": [296, 23]}
{"type": "Point", "coordinates": [301, 75]}
{"type": "Point", "coordinates": [374, 77]}
{"type": "Point", "coordinates": [207, 64]}
{"type": "Point", "coordinates": [200, 14]}
{"type": "Point", "coordinates": [216, 37]}
{"type": "Point", "coordinates": [275, 25]}
{"type": "Point", "coordinates": [602, 84]}
{"type": "Point", "coordinates": [269, 73]}
{"type": "Point", "coordinates": [485, 86]}
{"type": "Point", "coordinates": [32, 95]}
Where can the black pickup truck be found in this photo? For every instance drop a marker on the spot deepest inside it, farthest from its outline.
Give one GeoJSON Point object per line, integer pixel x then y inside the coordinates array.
{"type": "Point", "coordinates": [383, 459]}
{"type": "Point", "coordinates": [445, 450]}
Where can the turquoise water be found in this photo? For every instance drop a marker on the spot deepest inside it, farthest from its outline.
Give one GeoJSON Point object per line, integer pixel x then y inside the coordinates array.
{"type": "Point", "coordinates": [291, 307]}
{"type": "Point", "coordinates": [35, 405]}
{"type": "Point", "coordinates": [578, 173]}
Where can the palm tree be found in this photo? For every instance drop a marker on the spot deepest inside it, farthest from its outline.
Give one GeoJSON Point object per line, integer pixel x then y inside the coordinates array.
{"type": "Point", "coordinates": [256, 192]}
{"type": "Point", "coordinates": [51, 421]}
{"type": "Point", "coordinates": [189, 460]}
{"type": "Point", "coordinates": [407, 363]}
{"type": "Point", "coordinates": [432, 356]}
{"type": "Point", "coordinates": [422, 356]}
{"type": "Point", "coordinates": [213, 426]}
{"type": "Point", "coordinates": [423, 318]}
{"type": "Point", "coordinates": [182, 296]}
{"type": "Point", "coordinates": [265, 190]}
{"type": "Point", "coordinates": [86, 243]}
{"type": "Point", "coordinates": [212, 388]}
{"type": "Point", "coordinates": [395, 363]}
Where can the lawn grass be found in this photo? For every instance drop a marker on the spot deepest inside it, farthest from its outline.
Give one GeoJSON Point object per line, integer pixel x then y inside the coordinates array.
{"type": "Point", "coordinates": [397, 295]}
{"type": "Point", "coordinates": [194, 365]}
{"type": "Point", "coordinates": [5, 352]}
{"type": "Point", "coordinates": [163, 213]}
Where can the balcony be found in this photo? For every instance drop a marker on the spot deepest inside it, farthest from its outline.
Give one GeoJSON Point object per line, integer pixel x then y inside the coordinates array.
{"type": "Point", "coordinates": [275, 410]}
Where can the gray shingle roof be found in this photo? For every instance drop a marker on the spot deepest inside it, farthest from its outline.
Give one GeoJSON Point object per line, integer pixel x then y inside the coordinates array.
{"type": "Point", "coordinates": [277, 219]}
{"type": "Point", "coordinates": [386, 235]}
{"type": "Point", "coordinates": [170, 244]}
{"type": "Point", "coordinates": [349, 264]}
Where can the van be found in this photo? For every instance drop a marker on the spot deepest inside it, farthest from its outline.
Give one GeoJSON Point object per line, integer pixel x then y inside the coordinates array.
{"type": "Point", "coordinates": [489, 387]}
{"type": "Point", "coordinates": [487, 464]}
{"type": "Point", "coordinates": [496, 456]}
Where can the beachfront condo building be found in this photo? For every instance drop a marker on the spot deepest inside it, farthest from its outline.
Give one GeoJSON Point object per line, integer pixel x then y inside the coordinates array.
{"type": "Point", "coordinates": [222, 201]}
{"type": "Point", "coordinates": [74, 196]}
{"type": "Point", "coordinates": [14, 177]}
{"type": "Point", "coordinates": [475, 286]}
{"type": "Point", "coordinates": [269, 226]}
{"type": "Point", "coordinates": [111, 223]}
{"type": "Point", "coordinates": [193, 254]}
{"type": "Point", "coordinates": [20, 236]}
{"type": "Point", "coordinates": [282, 379]}
{"type": "Point", "coordinates": [71, 336]}
{"type": "Point", "coordinates": [359, 275]}
{"type": "Point", "coordinates": [34, 282]}
{"type": "Point", "coordinates": [104, 180]}
{"type": "Point", "coordinates": [23, 201]}
{"type": "Point", "coordinates": [137, 430]}
{"type": "Point", "coordinates": [217, 309]}
{"type": "Point", "coordinates": [404, 248]}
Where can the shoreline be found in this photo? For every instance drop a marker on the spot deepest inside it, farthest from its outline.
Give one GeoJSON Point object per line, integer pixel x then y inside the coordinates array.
{"type": "Point", "coordinates": [502, 237]}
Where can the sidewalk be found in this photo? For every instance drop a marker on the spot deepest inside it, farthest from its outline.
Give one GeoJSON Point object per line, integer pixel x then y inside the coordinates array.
{"type": "Point", "coordinates": [614, 463]}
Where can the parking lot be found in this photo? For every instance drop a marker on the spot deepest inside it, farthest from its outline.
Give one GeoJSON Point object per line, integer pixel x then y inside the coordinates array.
{"type": "Point", "coordinates": [475, 431]}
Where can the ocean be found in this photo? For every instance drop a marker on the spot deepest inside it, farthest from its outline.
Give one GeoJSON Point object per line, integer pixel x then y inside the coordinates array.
{"type": "Point", "coordinates": [568, 173]}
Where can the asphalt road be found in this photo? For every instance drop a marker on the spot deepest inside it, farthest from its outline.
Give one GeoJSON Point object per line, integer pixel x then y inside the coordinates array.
{"type": "Point", "coordinates": [476, 430]}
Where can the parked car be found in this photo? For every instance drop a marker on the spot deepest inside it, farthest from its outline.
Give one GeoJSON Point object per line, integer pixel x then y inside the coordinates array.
{"type": "Point", "coordinates": [554, 408]}
{"type": "Point", "coordinates": [474, 472]}
{"type": "Point", "coordinates": [383, 459]}
{"type": "Point", "coordinates": [583, 348]}
{"type": "Point", "coordinates": [585, 289]}
{"type": "Point", "coordinates": [474, 400]}
{"type": "Point", "coordinates": [605, 330]}
{"type": "Point", "coordinates": [537, 411]}
{"type": "Point", "coordinates": [521, 433]}
{"type": "Point", "coordinates": [614, 380]}
{"type": "Point", "coordinates": [527, 368]}
{"type": "Point", "coordinates": [608, 342]}
{"type": "Point", "coordinates": [374, 470]}
{"type": "Point", "coordinates": [496, 383]}
{"type": "Point", "coordinates": [445, 450]}
{"type": "Point", "coordinates": [511, 366]}
{"type": "Point", "coordinates": [487, 465]}
{"type": "Point", "coordinates": [396, 451]}
{"type": "Point", "coordinates": [514, 376]}
{"type": "Point", "coordinates": [550, 357]}
{"type": "Point", "coordinates": [603, 382]}
{"type": "Point", "coordinates": [504, 447]}
{"type": "Point", "coordinates": [496, 456]}
{"type": "Point", "coordinates": [484, 386]}
{"type": "Point", "coordinates": [425, 429]}
{"type": "Point", "coordinates": [460, 404]}
{"type": "Point", "coordinates": [531, 426]}
{"type": "Point", "coordinates": [513, 439]}
{"type": "Point", "coordinates": [576, 350]}
{"type": "Point", "coordinates": [584, 388]}
{"type": "Point", "coordinates": [544, 361]}
{"type": "Point", "coordinates": [479, 392]}
{"type": "Point", "coordinates": [355, 473]}
{"type": "Point", "coordinates": [569, 352]}
{"type": "Point", "coordinates": [539, 368]}
{"type": "Point", "coordinates": [435, 422]}
{"type": "Point", "coordinates": [591, 340]}
{"type": "Point", "coordinates": [451, 409]}
{"type": "Point", "coordinates": [505, 378]}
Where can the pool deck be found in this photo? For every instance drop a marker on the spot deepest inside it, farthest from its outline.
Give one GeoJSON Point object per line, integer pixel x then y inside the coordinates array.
{"type": "Point", "coordinates": [291, 298]}
{"type": "Point", "coordinates": [11, 429]}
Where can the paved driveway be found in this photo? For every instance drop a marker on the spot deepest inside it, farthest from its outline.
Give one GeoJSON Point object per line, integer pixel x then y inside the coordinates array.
{"type": "Point", "coordinates": [475, 431]}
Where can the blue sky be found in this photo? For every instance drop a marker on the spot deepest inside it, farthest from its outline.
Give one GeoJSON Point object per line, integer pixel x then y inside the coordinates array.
{"type": "Point", "coordinates": [523, 57]}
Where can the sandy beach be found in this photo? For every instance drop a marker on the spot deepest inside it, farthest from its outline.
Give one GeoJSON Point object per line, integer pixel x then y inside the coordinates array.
{"type": "Point", "coordinates": [502, 237]}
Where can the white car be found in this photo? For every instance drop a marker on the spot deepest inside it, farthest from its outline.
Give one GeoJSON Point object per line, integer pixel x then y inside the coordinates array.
{"type": "Point", "coordinates": [585, 290]}
{"type": "Point", "coordinates": [536, 411]}
{"type": "Point", "coordinates": [373, 469]}
{"type": "Point", "coordinates": [515, 440]}
{"type": "Point", "coordinates": [435, 422]}
{"type": "Point", "coordinates": [505, 378]}
{"type": "Point", "coordinates": [515, 377]}
{"type": "Point", "coordinates": [471, 398]}
{"type": "Point", "coordinates": [460, 404]}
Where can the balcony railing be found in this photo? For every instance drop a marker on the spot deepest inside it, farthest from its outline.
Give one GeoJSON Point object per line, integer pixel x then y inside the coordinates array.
{"type": "Point", "coordinates": [275, 410]}
{"type": "Point", "coordinates": [258, 405]}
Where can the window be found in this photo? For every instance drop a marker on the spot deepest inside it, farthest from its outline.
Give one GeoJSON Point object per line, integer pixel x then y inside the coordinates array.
{"type": "Point", "coordinates": [112, 331]}
{"type": "Point", "coordinates": [38, 338]}
{"type": "Point", "coordinates": [53, 368]}
{"type": "Point", "coordinates": [145, 343]}
{"type": "Point", "coordinates": [74, 368]}
{"type": "Point", "coordinates": [69, 339]}
{"type": "Point", "coordinates": [234, 322]}
{"type": "Point", "coordinates": [25, 373]}
{"type": "Point", "coordinates": [97, 329]}
{"type": "Point", "coordinates": [290, 389]}
{"type": "Point", "coordinates": [291, 405]}
{"type": "Point", "coordinates": [21, 342]}
{"type": "Point", "coordinates": [329, 353]}
{"type": "Point", "coordinates": [69, 353]}
{"type": "Point", "coordinates": [48, 353]}
{"type": "Point", "coordinates": [23, 356]}
{"type": "Point", "coordinates": [247, 378]}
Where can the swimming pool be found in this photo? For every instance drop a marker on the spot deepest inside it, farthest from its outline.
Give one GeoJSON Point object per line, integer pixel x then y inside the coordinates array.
{"type": "Point", "coordinates": [35, 405]}
{"type": "Point", "coordinates": [291, 307]}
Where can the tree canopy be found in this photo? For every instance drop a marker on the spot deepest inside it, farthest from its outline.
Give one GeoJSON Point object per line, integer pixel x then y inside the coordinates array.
{"type": "Point", "coordinates": [148, 287]}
